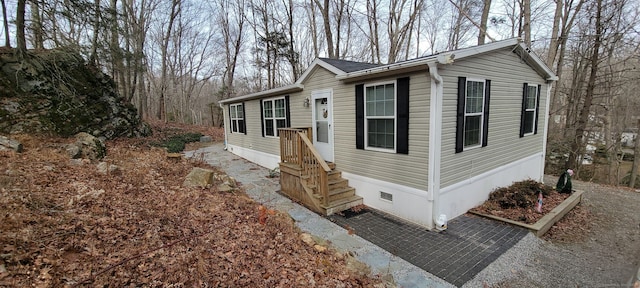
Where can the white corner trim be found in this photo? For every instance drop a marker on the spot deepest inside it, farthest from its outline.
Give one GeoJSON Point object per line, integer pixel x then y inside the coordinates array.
{"type": "Point", "coordinates": [546, 130]}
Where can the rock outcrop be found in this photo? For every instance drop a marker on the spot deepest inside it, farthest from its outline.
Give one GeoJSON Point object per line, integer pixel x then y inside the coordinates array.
{"type": "Point", "coordinates": [56, 92]}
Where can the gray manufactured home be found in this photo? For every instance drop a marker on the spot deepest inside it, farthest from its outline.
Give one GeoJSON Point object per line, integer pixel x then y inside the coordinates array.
{"type": "Point", "coordinates": [416, 139]}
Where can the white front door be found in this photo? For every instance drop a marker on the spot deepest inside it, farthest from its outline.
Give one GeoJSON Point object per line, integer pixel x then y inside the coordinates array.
{"type": "Point", "coordinates": [322, 106]}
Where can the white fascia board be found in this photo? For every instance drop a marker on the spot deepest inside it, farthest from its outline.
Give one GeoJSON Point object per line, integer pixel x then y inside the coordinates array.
{"type": "Point", "coordinates": [535, 60]}
{"type": "Point", "coordinates": [271, 92]}
{"type": "Point", "coordinates": [475, 50]}
{"type": "Point", "coordinates": [443, 58]}
{"type": "Point", "coordinates": [318, 62]}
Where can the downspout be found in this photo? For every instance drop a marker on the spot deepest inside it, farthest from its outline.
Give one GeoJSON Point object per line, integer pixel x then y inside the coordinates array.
{"type": "Point", "coordinates": [224, 126]}
{"type": "Point", "coordinates": [435, 144]}
{"type": "Point", "coordinates": [546, 130]}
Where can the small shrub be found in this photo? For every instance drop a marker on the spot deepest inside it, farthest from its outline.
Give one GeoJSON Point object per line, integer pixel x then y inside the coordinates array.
{"type": "Point", "coordinates": [176, 143]}
{"type": "Point", "coordinates": [174, 146]}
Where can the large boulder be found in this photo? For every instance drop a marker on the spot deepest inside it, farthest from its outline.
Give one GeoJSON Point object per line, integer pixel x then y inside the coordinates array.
{"type": "Point", "coordinates": [10, 144]}
{"type": "Point", "coordinates": [57, 92]}
{"type": "Point", "coordinates": [199, 177]}
{"type": "Point", "coordinates": [87, 146]}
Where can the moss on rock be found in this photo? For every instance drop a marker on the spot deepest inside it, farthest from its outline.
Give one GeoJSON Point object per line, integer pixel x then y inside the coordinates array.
{"type": "Point", "coordinates": [56, 92]}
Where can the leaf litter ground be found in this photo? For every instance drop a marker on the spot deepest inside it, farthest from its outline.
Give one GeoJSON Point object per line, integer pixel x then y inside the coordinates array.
{"type": "Point", "coordinates": [65, 224]}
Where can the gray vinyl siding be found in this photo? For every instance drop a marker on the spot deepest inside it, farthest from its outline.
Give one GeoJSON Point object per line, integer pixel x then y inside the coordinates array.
{"type": "Point", "coordinates": [300, 115]}
{"type": "Point", "coordinates": [507, 74]}
{"type": "Point", "coordinates": [253, 139]}
{"type": "Point", "coordinates": [409, 170]}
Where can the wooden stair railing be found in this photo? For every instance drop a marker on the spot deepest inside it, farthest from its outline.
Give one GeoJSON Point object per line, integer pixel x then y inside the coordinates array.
{"type": "Point", "coordinates": [296, 148]}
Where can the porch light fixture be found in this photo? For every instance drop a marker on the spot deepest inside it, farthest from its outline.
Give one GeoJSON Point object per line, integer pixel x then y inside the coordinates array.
{"type": "Point", "coordinates": [306, 102]}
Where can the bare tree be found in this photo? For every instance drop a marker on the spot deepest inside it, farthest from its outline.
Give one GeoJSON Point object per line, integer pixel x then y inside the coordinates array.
{"type": "Point", "coordinates": [7, 38]}
{"type": "Point", "coordinates": [374, 34]}
{"type": "Point", "coordinates": [526, 22]}
{"type": "Point", "coordinates": [93, 59]}
{"type": "Point", "coordinates": [324, 8]}
{"type": "Point", "coordinates": [36, 25]}
{"type": "Point", "coordinates": [175, 11]}
{"type": "Point", "coordinates": [20, 36]}
{"type": "Point", "coordinates": [482, 31]}
{"type": "Point", "coordinates": [398, 28]}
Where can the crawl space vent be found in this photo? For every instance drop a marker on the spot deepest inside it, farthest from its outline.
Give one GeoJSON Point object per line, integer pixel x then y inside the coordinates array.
{"type": "Point", "coordinates": [386, 196]}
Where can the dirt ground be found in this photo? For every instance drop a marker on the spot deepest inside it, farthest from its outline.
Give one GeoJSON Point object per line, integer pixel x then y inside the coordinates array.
{"type": "Point", "coordinates": [596, 245]}
{"type": "Point", "coordinates": [64, 224]}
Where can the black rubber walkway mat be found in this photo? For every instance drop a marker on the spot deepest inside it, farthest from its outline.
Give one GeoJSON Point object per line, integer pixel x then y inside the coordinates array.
{"type": "Point", "coordinates": [456, 255]}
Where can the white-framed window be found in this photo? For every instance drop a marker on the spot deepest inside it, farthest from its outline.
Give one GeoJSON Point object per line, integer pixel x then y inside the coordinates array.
{"type": "Point", "coordinates": [274, 115]}
{"type": "Point", "coordinates": [237, 118]}
{"type": "Point", "coordinates": [380, 116]}
{"type": "Point", "coordinates": [530, 106]}
{"type": "Point", "coordinates": [473, 113]}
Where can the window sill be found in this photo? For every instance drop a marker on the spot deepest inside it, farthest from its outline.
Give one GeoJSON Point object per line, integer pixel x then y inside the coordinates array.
{"type": "Point", "coordinates": [392, 151]}
{"type": "Point", "coordinates": [471, 147]}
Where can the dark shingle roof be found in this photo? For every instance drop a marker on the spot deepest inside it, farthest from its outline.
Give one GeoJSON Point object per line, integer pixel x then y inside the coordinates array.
{"type": "Point", "coordinates": [348, 66]}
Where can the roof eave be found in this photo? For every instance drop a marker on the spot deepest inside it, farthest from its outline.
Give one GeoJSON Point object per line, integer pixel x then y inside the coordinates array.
{"type": "Point", "coordinates": [443, 58]}
{"type": "Point", "coordinates": [312, 66]}
{"type": "Point", "coordinates": [542, 67]}
{"type": "Point", "coordinates": [404, 66]}
{"type": "Point", "coordinates": [267, 93]}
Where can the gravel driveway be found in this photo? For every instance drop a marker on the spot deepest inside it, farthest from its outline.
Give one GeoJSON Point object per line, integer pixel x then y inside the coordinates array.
{"type": "Point", "coordinates": [607, 256]}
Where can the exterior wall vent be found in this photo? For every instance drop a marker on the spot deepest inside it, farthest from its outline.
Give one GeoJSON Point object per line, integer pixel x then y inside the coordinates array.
{"type": "Point", "coordinates": [386, 196]}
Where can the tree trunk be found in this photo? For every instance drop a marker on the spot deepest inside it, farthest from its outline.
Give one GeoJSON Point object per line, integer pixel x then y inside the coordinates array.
{"type": "Point", "coordinates": [7, 39]}
{"type": "Point", "coordinates": [36, 25]}
{"type": "Point", "coordinates": [20, 37]}
{"type": "Point", "coordinates": [326, 21]}
{"type": "Point", "coordinates": [175, 10]}
{"type": "Point", "coordinates": [291, 53]}
{"type": "Point", "coordinates": [314, 29]}
{"type": "Point", "coordinates": [526, 26]}
{"type": "Point", "coordinates": [93, 59]}
{"type": "Point", "coordinates": [372, 19]}
{"type": "Point", "coordinates": [636, 159]}
{"type": "Point", "coordinates": [484, 19]}
{"type": "Point", "coordinates": [555, 30]}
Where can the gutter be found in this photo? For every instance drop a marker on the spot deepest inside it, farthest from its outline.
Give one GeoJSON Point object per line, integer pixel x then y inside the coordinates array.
{"type": "Point", "coordinates": [297, 87]}
{"type": "Point", "coordinates": [435, 139]}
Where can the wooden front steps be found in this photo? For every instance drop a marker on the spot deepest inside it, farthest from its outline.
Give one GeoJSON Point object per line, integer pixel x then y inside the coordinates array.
{"type": "Point", "coordinates": [298, 187]}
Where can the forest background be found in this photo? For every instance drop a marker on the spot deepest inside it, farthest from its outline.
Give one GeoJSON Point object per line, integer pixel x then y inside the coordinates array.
{"type": "Point", "coordinates": [175, 59]}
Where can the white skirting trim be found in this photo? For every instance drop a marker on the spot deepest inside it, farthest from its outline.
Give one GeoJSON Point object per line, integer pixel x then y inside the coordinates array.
{"type": "Point", "coordinates": [407, 203]}
{"type": "Point", "coordinates": [458, 198]}
{"type": "Point", "coordinates": [269, 161]}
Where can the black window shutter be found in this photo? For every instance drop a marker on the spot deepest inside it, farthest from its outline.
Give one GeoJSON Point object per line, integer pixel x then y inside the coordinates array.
{"type": "Point", "coordinates": [535, 128]}
{"type": "Point", "coordinates": [244, 120]}
{"type": "Point", "coordinates": [230, 120]}
{"type": "Point", "coordinates": [524, 108]}
{"type": "Point", "coordinates": [462, 87]}
{"type": "Point", "coordinates": [485, 124]}
{"type": "Point", "coordinates": [287, 112]}
{"type": "Point", "coordinates": [402, 126]}
{"type": "Point", "coordinates": [360, 116]}
{"type": "Point", "coordinates": [262, 117]}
